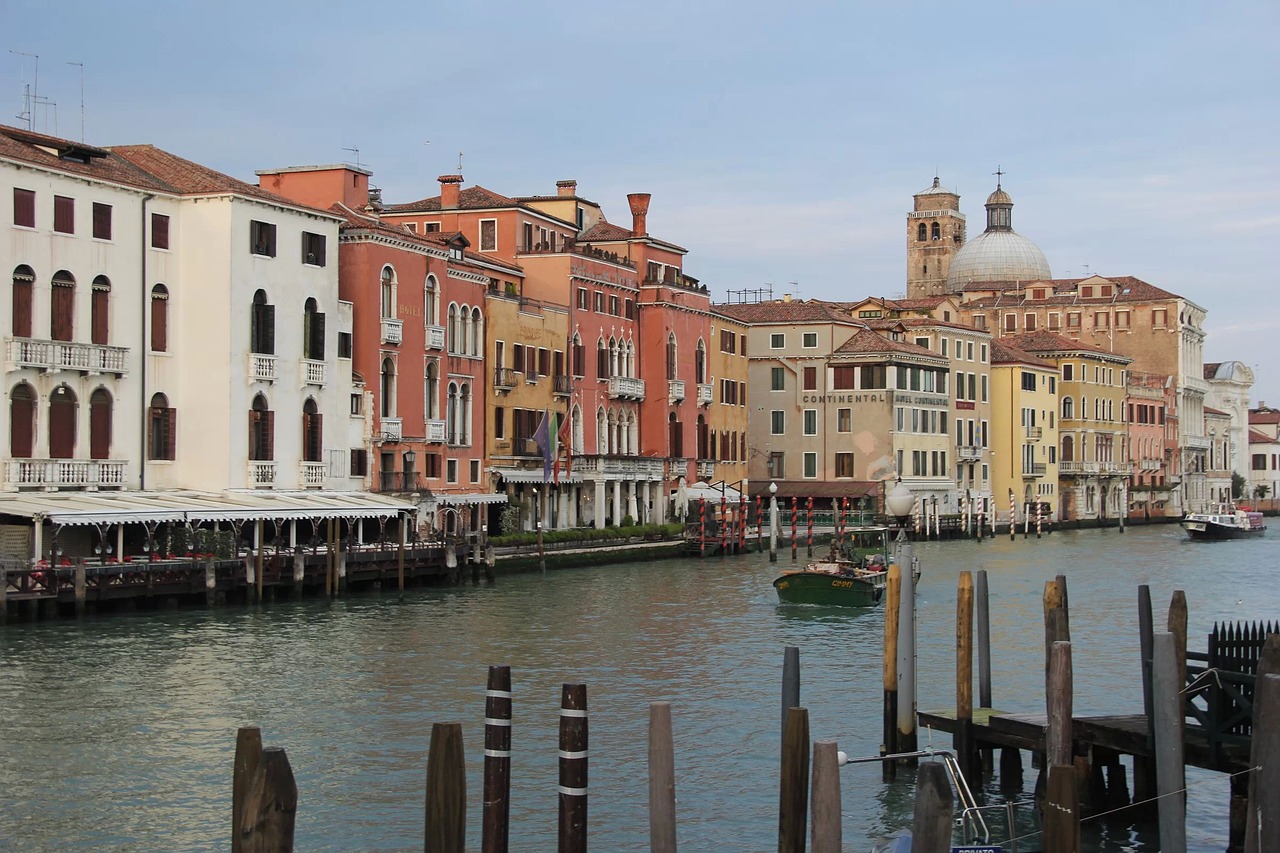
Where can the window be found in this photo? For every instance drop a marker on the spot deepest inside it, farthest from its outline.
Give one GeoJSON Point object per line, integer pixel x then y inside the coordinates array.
{"type": "Point", "coordinates": [1073, 319]}
{"type": "Point", "coordinates": [161, 429]}
{"type": "Point", "coordinates": [101, 221]}
{"type": "Point", "coordinates": [983, 398]}
{"type": "Point", "coordinates": [1055, 322]}
{"type": "Point", "coordinates": [387, 296]}
{"type": "Point", "coordinates": [312, 334]}
{"type": "Point", "coordinates": [64, 214]}
{"type": "Point", "coordinates": [613, 305]}
{"type": "Point", "coordinates": [1028, 381]}
{"type": "Point", "coordinates": [584, 299]}
{"type": "Point", "coordinates": [1101, 320]}
{"type": "Point", "coordinates": [983, 357]}
{"type": "Point", "coordinates": [23, 281]}
{"type": "Point", "coordinates": [700, 364]}
{"type": "Point", "coordinates": [809, 340]}
{"type": "Point", "coordinates": [944, 346]}
{"type": "Point", "coordinates": [777, 466]}
{"type": "Point", "coordinates": [357, 404]}
{"type": "Point", "coordinates": [159, 231]}
{"type": "Point", "coordinates": [629, 309]}
{"type": "Point", "coordinates": [344, 345]}
{"type": "Point", "coordinates": [874, 376]}
{"type": "Point", "coordinates": [728, 341]}
{"type": "Point", "coordinates": [599, 301]}
{"type": "Point", "coordinates": [24, 208]}
{"type": "Point", "coordinates": [811, 379]}
{"type": "Point", "coordinates": [1011, 322]}
{"type": "Point", "coordinates": [777, 379]}
{"type": "Point", "coordinates": [672, 357]}
{"type": "Point", "coordinates": [359, 462]}
{"type": "Point", "coordinates": [810, 465]}
{"type": "Point", "coordinates": [1029, 322]}
{"type": "Point", "coordinates": [488, 235]}
{"type": "Point", "coordinates": [844, 420]}
{"type": "Point", "coordinates": [922, 232]}
{"type": "Point", "coordinates": [62, 306]}
{"type": "Point", "coordinates": [810, 421]}
{"type": "Point", "coordinates": [475, 470]}
{"type": "Point", "coordinates": [777, 422]}
{"type": "Point", "coordinates": [100, 424]}
{"type": "Point", "coordinates": [100, 310]}
{"type": "Point", "coordinates": [312, 432]}
{"type": "Point", "coordinates": [844, 464]}
{"type": "Point", "coordinates": [261, 431]}
{"type": "Point", "coordinates": [777, 341]}
{"type": "Point", "coordinates": [1067, 372]}
{"type": "Point", "coordinates": [1160, 317]}
{"type": "Point", "coordinates": [262, 238]}
{"type": "Point", "coordinates": [842, 377]}
{"type": "Point", "coordinates": [313, 249]}
{"type": "Point", "coordinates": [923, 343]}
{"type": "Point", "coordinates": [262, 325]}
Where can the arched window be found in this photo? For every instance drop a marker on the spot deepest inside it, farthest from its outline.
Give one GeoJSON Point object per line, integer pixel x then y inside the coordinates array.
{"type": "Point", "coordinates": [612, 446]}
{"type": "Point", "coordinates": [464, 414]}
{"type": "Point", "coordinates": [312, 432]}
{"type": "Point", "coordinates": [100, 311]}
{"type": "Point", "coordinates": [1084, 408]}
{"type": "Point", "coordinates": [62, 306]}
{"type": "Point", "coordinates": [936, 232]}
{"type": "Point", "coordinates": [675, 437]}
{"type": "Point", "coordinates": [159, 318]}
{"type": "Point", "coordinates": [387, 299]}
{"type": "Point", "coordinates": [464, 331]}
{"type": "Point", "coordinates": [614, 366]}
{"type": "Point", "coordinates": [1068, 408]}
{"type": "Point", "coordinates": [262, 431]}
{"type": "Point", "coordinates": [161, 428]}
{"type": "Point", "coordinates": [579, 356]}
{"type": "Point", "coordinates": [63, 406]}
{"type": "Point", "coordinates": [576, 437]}
{"type": "Point", "coordinates": [477, 327]}
{"type": "Point", "coordinates": [433, 391]}
{"type": "Point", "coordinates": [453, 332]}
{"type": "Point", "coordinates": [922, 232]}
{"type": "Point", "coordinates": [633, 434]}
{"type": "Point", "coordinates": [23, 280]}
{"type": "Point", "coordinates": [602, 432]}
{"type": "Point", "coordinates": [262, 325]}
{"type": "Point", "coordinates": [388, 389]}
{"type": "Point", "coordinates": [22, 421]}
{"type": "Point", "coordinates": [672, 354]}
{"type": "Point", "coordinates": [700, 364]}
{"type": "Point", "coordinates": [602, 360]}
{"type": "Point", "coordinates": [312, 332]}
{"type": "Point", "coordinates": [100, 424]}
{"type": "Point", "coordinates": [1068, 449]}
{"type": "Point", "coordinates": [451, 414]}
{"type": "Point", "coordinates": [431, 302]}
{"type": "Point", "coordinates": [704, 445]}
{"type": "Point", "coordinates": [631, 357]}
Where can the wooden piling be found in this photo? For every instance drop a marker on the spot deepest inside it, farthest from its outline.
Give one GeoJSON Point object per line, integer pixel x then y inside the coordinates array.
{"type": "Point", "coordinates": [931, 824]}
{"type": "Point", "coordinates": [1266, 712]}
{"type": "Point", "coordinates": [495, 819]}
{"type": "Point", "coordinates": [794, 512]}
{"type": "Point", "coordinates": [257, 558]}
{"type": "Point", "coordinates": [982, 614]}
{"type": "Point", "coordinates": [825, 799]}
{"type": "Point", "coordinates": [1144, 775]}
{"type": "Point", "coordinates": [1178, 627]}
{"type": "Point", "coordinates": [400, 564]}
{"type": "Point", "coordinates": [248, 757]}
{"type": "Point", "coordinates": [790, 682]}
{"type": "Point", "coordinates": [963, 740]}
{"type": "Point", "coordinates": [446, 798]}
{"type": "Point", "coordinates": [793, 793]}
{"type": "Point", "coordinates": [80, 587]}
{"type": "Point", "coordinates": [573, 769]}
{"type": "Point", "coordinates": [270, 805]}
{"type": "Point", "coordinates": [809, 525]}
{"type": "Point", "coordinates": [1061, 811]}
{"type": "Point", "coordinates": [1167, 683]}
{"type": "Point", "coordinates": [1058, 702]}
{"type": "Point", "coordinates": [662, 780]}
{"type": "Point", "coordinates": [893, 596]}
{"type": "Point", "coordinates": [907, 655]}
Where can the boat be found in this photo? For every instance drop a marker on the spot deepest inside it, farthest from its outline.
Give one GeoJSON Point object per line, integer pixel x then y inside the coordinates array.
{"type": "Point", "coordinates": [854, 573]}
{"type": "Point", "coordinates": [1224, 521]}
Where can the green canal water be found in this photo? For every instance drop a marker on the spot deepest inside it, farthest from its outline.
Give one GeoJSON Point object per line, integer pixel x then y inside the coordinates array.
{"type": "Point", "coordinates": [119, 731]}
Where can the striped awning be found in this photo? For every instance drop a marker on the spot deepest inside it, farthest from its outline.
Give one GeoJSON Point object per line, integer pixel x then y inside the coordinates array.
{"type": "Point", "coordinates": [470, 499]}
{"type": "Point", "coordinates": [126, 507]}
{"type": "Point", "coordinates": [532, 475]}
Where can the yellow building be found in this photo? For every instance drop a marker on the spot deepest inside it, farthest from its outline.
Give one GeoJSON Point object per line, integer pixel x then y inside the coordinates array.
{"type": "Point", "coordinates": [1024, 434]}
{"type": "Point", "coordinates": [722, 417]}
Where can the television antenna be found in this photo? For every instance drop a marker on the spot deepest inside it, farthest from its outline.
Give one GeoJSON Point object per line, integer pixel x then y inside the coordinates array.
{"type": "Point", "coordinates": [355, 151]}
{"type": "Point", "coordinates": [30, 91]}
{"type": "Point", "coordinates": [80, 65]}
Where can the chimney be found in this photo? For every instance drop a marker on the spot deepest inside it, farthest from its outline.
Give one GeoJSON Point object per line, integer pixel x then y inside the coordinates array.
{"type": "Point", "coordinates": [449, 191]}
{"type": "Point", "coordinates": [786, 297]}
{"type": "Point", "coordinates": [567, 189]}
{"type": "Point", "coordinates": [639, 211]}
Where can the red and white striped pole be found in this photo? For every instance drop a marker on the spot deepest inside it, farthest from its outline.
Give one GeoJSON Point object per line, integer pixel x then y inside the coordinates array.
{"type": "Point", "coordinates": [795, 509]}
{"type": "Point", "coordinates": [1013, 517]}
{"type": "Point", "coordinates": [808, 510]}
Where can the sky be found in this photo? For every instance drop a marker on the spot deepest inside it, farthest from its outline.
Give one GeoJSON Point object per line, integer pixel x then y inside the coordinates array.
{"type": "Point", "coordinates": [781, 142]}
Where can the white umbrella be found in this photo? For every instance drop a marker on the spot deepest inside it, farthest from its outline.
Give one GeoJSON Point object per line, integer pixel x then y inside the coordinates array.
{"type": "Point", "coordinates": [681, 501]}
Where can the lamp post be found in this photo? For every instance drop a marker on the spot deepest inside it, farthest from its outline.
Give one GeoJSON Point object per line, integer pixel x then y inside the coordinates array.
{"type": "Point", "coordinates": [537, 523]}
{"type": "Point", "coordinates": [898, 502]}
{"type": "Point", "coordinates": [409, 459]}
{"type": "Point", "coordinates": [773, 522]}
{"type": "Point", "coordinates": [937, 520]}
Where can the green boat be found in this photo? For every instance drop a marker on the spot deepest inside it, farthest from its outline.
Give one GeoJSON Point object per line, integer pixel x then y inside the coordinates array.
{"type": "Point", "coordinates": [854, 574]}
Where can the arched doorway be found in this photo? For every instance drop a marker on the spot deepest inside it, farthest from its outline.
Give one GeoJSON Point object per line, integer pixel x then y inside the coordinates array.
{"type": "Point", "coordinates": [62, 423]}
{"type": "Point", "coordinates": [22, 420]}
{"type": "Point", "coordinates": [100, 424]}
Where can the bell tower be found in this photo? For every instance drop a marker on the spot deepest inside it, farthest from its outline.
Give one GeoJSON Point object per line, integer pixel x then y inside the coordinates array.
{"type": "Point", "coordinates": [935, 232]}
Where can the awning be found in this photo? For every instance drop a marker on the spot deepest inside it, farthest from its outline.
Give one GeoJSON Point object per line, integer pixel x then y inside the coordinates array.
{"type": "Point", "coordinates": [470, 499]}
{"type": "Point", "coordinates": [125, 507]}
{"type": "Point", "coordinates": [529, 475]}
{"type": "Point", "coordinates": [833, 489]}
{"type": "Point", "coordinates": [706, 491]}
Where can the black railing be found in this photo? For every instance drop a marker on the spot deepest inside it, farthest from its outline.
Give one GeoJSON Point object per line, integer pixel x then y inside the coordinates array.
{"type": "Point", "coordinates": [561, 385]}
{"type": "Point", "coordinates": [504, 377]}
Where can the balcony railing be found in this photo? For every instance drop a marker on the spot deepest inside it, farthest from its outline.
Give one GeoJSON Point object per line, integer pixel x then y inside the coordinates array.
{"type": "Point", "coordinates": [626, 387]}
{"type": "Point", "coordinates": [1035, 433]}
{"type": "Point", "coordinates": [621, 465]}
{"type": "Point", "coordinates": [1152, 464]}
{"type": "Point", "coordinates": [1035, 469]}
{"type": "Point", "coordinates": [705, 394]}
{"type": "Point", "coordinates": [62, 355]}
{"type": "Point", "coordinates": [262, 368]}
{"type": "Point", "coordinates": [311, 474]}
{"type": "Point", "coordinates": [64, 473]}
{"type": "Point", "coordinates": [504, 378]}
{"type": "Point", "coordinates": [312, 371]}
{"type": "Point", "coordinates": [675, 390]}
{"type": "Point", "coordinates": [392, 331]}
{"type": "Point", "coordinates": [435, 337]}
{"type": "Point", "coordinates": [969, 453]}
{"type": "Point", "coordinates": [262, 474]}
{"type": "Point", "coordinates": [392, 429]}
{"type": "Point", "coordinates": [399, 481]}
{"type": "Point", "coordinates": [435, 431]}
{"type": "Point", "coordinates": [706, 469]}
{"type": "Point", "coordinates": [562, 385]}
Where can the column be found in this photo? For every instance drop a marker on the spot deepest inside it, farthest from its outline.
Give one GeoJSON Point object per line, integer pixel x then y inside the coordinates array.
{"type": "Point", "coordinates": [661, 503]}
{"type": "Point", "coordinates": [617, 502]}
{"type": "Point", "coordinates": [599, 504]}
{"type": "Point", "coordinates": [632, 509]}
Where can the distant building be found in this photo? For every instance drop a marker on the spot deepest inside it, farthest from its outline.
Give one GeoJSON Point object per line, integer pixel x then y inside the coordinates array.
{"type": "Point", "coordinates": [1230, 389]}
{"type": "Point", "coordinates": [1264, 452]}
{"type": "Point", "coordinates": [1024, 464]}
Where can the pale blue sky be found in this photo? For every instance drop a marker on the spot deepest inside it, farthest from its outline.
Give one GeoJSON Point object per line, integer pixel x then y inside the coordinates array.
{"type": "Point", "coordinates": [781, 142]}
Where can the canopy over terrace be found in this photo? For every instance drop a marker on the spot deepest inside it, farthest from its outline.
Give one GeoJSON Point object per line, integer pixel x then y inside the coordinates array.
{"type": "Point", "coordinates": [117, 509]}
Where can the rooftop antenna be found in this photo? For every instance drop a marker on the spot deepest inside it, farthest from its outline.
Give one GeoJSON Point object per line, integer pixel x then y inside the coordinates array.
{"type": "Point", "coordinates": [80, 65]}
{"type": "Point", "coordinates": [1086, 270]}
{"type": "Point", "coordinates": [30, 91]}
{"type": "Point", "coordinates": [355, 151]}
{"type": "Point", "coordinates": [459, 162]}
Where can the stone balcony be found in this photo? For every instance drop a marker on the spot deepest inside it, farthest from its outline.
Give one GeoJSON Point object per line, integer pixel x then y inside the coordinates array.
{"type": "Point", "coordinates": [969, 453]}
{"type": "Point", "coordinates": [1035, 469]}
{"type": "Point", "coordinates": [435, 337]}
{"type": "Point", "coordinates": [392, 429]}
{"type": "Point", "coordinates": [626, 388]}
{"type": "Point", "coordinates": [706, 469]}
{"type": "Point", "coordinates": [620, 466]}
{"type": "Point", "coordinates": [1035, 433]}
{"type": "Point", "coordinates": [313, 371]}
{"type": "Point", "coordinates": [504, 378]}
{"type": "Point", "coordinates": [311, 475]}
{"type": "Point", "coordinates": [392, 331]}
{"type": "Point", "coordinates": [435, 432]}
{"type": "Point", "coordinates": [54, 356]}
{"type": "Point", "coordinates": [705, 394]}
{"type": "Point", "coordinates": [262, 474]}
{"type": "Point", "coordinates": [65, 473]}
{"type": "Point", "coordinates": [675, 390]}
{"type": "Point", "coordinates": [262, 368]}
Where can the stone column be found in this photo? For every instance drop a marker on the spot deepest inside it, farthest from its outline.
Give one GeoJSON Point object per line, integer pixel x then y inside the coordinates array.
{"type": "Point", "coordinates": [632, 509]}
{"type": "Point", "coordinates": [617, 502]}
{"type": "Point", "coordinates": [599, 504]}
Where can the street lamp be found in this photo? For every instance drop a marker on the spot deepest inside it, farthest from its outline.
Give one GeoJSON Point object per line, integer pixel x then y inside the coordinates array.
{"type": "Point", "coordinates": [773, 522]}
{"type": "Point", "coordinates": [899, 501]}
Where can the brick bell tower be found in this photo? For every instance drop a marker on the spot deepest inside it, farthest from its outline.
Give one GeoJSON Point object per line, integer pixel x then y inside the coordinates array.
{"type": "Point", "coordinates": [935, 232]}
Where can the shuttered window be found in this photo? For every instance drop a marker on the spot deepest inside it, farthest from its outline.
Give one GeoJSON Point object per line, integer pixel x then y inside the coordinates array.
{"type": "Point", "coordinates": [100, 425]}
{"type": "Point", "coordinates": [262, 326]}
{"type": "Point", "coordinates": [262, 238]}
{"type": "Point", "coordinates": [22, 413]}
{"type": "Point", "coordinates": [261, 432]}
{"type": "Point", "coordinates": [64, 214]}
{"type": "Point", "coordinates": [313, 249]}
{"type": "Point", "coordinates": [159, 318]}
{"type": "Point", "coordinates": [159, 231]}
{"type": "Point", "coordinates": [100, 310]}
{"type": "Point", "coordinates": [313, 333]}
{"type": "Point", "coordinates": [62, 306]}
{"type": "Point", "coordinates": [24, 208]}
{"type": "Point", "coordinates": [312, 436]}
{"type": "Point", "coordinates": [359, 462]}
{"type": "Point", "coordinates": [101, 221]}
{"type": "Point", "coordinates": [23, 279]}
{"type": "Point", "coordinates": [161, 429]}
{"type": "Point", "coordinates": [62, 423]}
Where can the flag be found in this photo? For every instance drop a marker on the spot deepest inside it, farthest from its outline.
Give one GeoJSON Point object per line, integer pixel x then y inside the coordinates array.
{"type": "Point", "coordinates": [564, 440]}
{"type": "Point", "coordinates": [544, 437]}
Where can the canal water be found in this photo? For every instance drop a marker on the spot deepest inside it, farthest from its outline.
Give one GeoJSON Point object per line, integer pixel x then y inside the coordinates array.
{"type": "Point", "coordinates": [118, 732]}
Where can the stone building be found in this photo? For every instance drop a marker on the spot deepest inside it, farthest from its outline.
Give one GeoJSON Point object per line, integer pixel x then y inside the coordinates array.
{"type": "Point", "coordinates": [1024, 462]}
{"type": "Point", "coordinates": [1230, 387]}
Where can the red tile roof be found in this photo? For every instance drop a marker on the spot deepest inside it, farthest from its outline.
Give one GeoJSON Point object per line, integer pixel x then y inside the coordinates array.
{"type": "Point", "coordinates": [1210, 410]}
{"type": "Point", "coordinates": [605, 231]}
{"type": "Point", "coordinates": [1211, 369]}
{"type": "Point", "coordinates": [471, 198]}
{"type": "Point", "coordinates": [360, 221]}
{"type": "Point", "coordinates": [28, 147]}
{"type": "Point", "coordinates": [781, 311]}
{"type": "Point", "coordinates": [1045, 341]}
{"type": "Point", "coordinates": [1256, 437]}
{"type": "Point", "coordinates": [1065, 292]}
{"type": "Point", "coordinates": [1264, 416]}
{"type": "Point", "coordinates": [1003, 353]}
{"type": "Point", "coordinates": [870, 342]}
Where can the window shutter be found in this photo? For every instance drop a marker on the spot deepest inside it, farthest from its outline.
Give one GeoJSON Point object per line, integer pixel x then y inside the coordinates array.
{"type": "Point", "coordinates": [159, 323]}
{"type": "Point", "coordinates": [101, 221]}
{"type": "Point", "coordinates": [159, 231]}
{"type": "Point", "coordinates": [21, 307]}
{"type": "Point", "coordinates": [64, 214]}
{"type": "Point", "coordinates": [99, 430]}
{"type": "Point", "coordinates": [63, 303]}
{"type": "Point", "coordinates": [99, 306]}
{"type": "Point", "coordinates": [317, 438]}
{"type": "Point", "coordinates": [268, 329]}
{"type": "Point", "coordinates": [24, 207]}
{"type": "Point", "coordinates": [21, 419]}
{"type": "Point", "coordinates": [316, 349]}
{"type": "Point", "coordinates": [270, 431]}
{"type": "Point", "coordinates": [170, 433]}
{"type": "Point", "coordinates": [255, 452]}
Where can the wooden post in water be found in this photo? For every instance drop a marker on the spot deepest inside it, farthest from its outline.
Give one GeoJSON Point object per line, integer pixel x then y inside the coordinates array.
{"type": "Point", "coordinates": [794, 512]}
{"type": "Point", "coordinates": [702, 527]}
{"type": "Point", "coordinates": [809, 524]}
{"type": "Point", "coordinates": [1061, 811]}
{"type": "Point", "coordinates": [1178, 627]}
{"type": "Point", "coordinates": [963, 741]}
{"type": "Point", "coordinates": [496, 815]}
{"type": "Point", "coordinates": [793, 797]}
{"type": "Point", "coordinates": [446, 800]}
{"type": "Point", "coordinates": [80, 587]}
{"type": "Point", "coordinates": [248, 757]}
{"type": "Point", "coordinates": [1263, 830]}
{"type": "Point", "coordinates": [1167, 683]}
{"type": "Point", "coordinates": [892, 603]}
{"type": "Point", "coordinates": [573, 769]}
{"type": "Point", "coordinates": [825, 799]}
{"type": "Point", "coordinates": [400, 556]}
{"type": "Point", "coordinates": [790, 682]}
{"type": "Point", "coordinates": [270, 805]}
{"type": "Point", "coordinates": [907, 654]}
{"type": "Point", "coordinates": [257, 557]}
{"type": "Point", "coordinates": [1058, 704]}
{"type": "Point", "coordinates": [759, 526]}
{"type": "Point", "coordinates": [931, 824]}
{"type": "Point", "coordinates": [662, 780]}
{"type": "Point", "coordinates": [1144, 777]}
{"type": "Point", "coordinates": [982, 620]}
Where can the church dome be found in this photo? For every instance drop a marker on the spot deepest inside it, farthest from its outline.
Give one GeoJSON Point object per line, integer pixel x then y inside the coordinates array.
{"type": "Point", "coordinates": [999, 253]}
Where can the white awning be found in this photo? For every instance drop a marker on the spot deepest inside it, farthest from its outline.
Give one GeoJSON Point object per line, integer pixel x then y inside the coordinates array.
{"type": "Point", "coordinates": [470, 500]}
{"type": "Point", "coordinates": [126, 507]}
{"type": "Point", "coordinates": [529, 475]}
{"type": "Point", "coordinates": [710, 493]}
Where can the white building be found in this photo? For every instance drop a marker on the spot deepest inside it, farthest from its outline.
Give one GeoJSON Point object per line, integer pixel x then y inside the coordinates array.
{"type": "Point", "coordinates": [1230, 386]}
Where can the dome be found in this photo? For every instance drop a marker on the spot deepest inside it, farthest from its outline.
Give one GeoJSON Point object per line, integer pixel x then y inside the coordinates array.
{"type": "Point", "coordinates": [997, 256]}
{"type": "Point", "coordinates": [999, 197]}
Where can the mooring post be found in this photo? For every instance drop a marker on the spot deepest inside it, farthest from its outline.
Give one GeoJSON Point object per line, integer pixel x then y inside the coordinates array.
{"type": "Point", "coordinates": [963, 740]}
{"type": "Point", "coordinates": [982, 625]}
{"type": "Point", "coordinates": [794, 512]}
{"type": "Point", "coordinates": [80, 587]}
{"type": "Point", "coordinates": [446, 799]}
{"type": "Point", "coordinates": [1262, 823]}
{"type": "Point", "coordinates": [773, 524]}
{"type": "Point", "coordinates": [270, 805]}
{"type": "Point", "coordinates": [825, 800]}
{"type": "Point", "coordinates": [247, 758]}
{"type": "Point", "coordinates": [907, 654]}
{"type": "Point", "coordinates": [662, 780]}
{"type": "Point", "coordinates": [931, 823]}
{"type": "Point", "coordinates": [1061, 811]}
{"type": "Point", "coordinates": [573, 769]}
{"type": "Point", "coordinates": [790, 682]}
{"type": "Point", "coordinates": [1167, 683]}
{"type": "Point", "coordinates": [1058, 704]}
{"type": "Point", "coordinates": [892, 603]}
{"type": "Point", "coordinates": [809, 524]}
{"type": "Point", "coordinates": [793, 794]}
{"type": "Point", "coordinates": [1177, 626]}
{"type": "Point", "coordinates": [210, 582]}
{"type": "Point", "coordinates": [257, 557]}
{"type": "Point", "coordinates": [496, 815]}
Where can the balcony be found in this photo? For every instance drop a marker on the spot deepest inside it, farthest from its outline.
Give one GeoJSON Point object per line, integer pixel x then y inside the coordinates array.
{"type": "Point", "coordinates": [675, 390]}
{"type": "Point", "coordinates": [311, 475]}
{"type": "Point", "coordinates": [1118, 469]}
{"type": "Point", "coordinates": [1152, 464]}
{"type": "Point", "coordinates": [64, 473]}
{"type": "Point", "coordinates": [1035, 433]}
{"type": "Point", "coordinates": [706, 469]}
{"type": "Point", "coordinates": [504, 378]}
{"type": "Point", "coordinates": [392, 429]}
{"type": "Point", "coordinates": [623, 466]}
{"type": "Point", "coordinates": [562, 385]}
{"type": "Point", "coordinates": [312, 372]}
{"type": "Point", "coordinates": [626, 388]}
{"type": "Point", "coordinates": [399, 481]}
{"type": "Point", "coordinates": [1076, 467]}
{"type": "Point", "coordinates": [262, 475]}
{"type": "Point", "coordinates": [969, 453]}
{"type": "Point", "coordinates": [1035, 469]}
{"type": "Point", "coordinates": [262, 368]}
{"type": "Point", "coordinates": [435, 337]}
{"type": "Point", "coordinates": [435, 431]}
{"type": "Point", "coordinates": [392, 331]}
{"type": "Point", "coordinates": [705, 394]}
{"type": "Point", "coordinates": [62, 355]}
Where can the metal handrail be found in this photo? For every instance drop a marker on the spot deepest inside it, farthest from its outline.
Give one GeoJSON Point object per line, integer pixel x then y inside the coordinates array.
{"type": "Point", "coordinates": [969, 805]}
